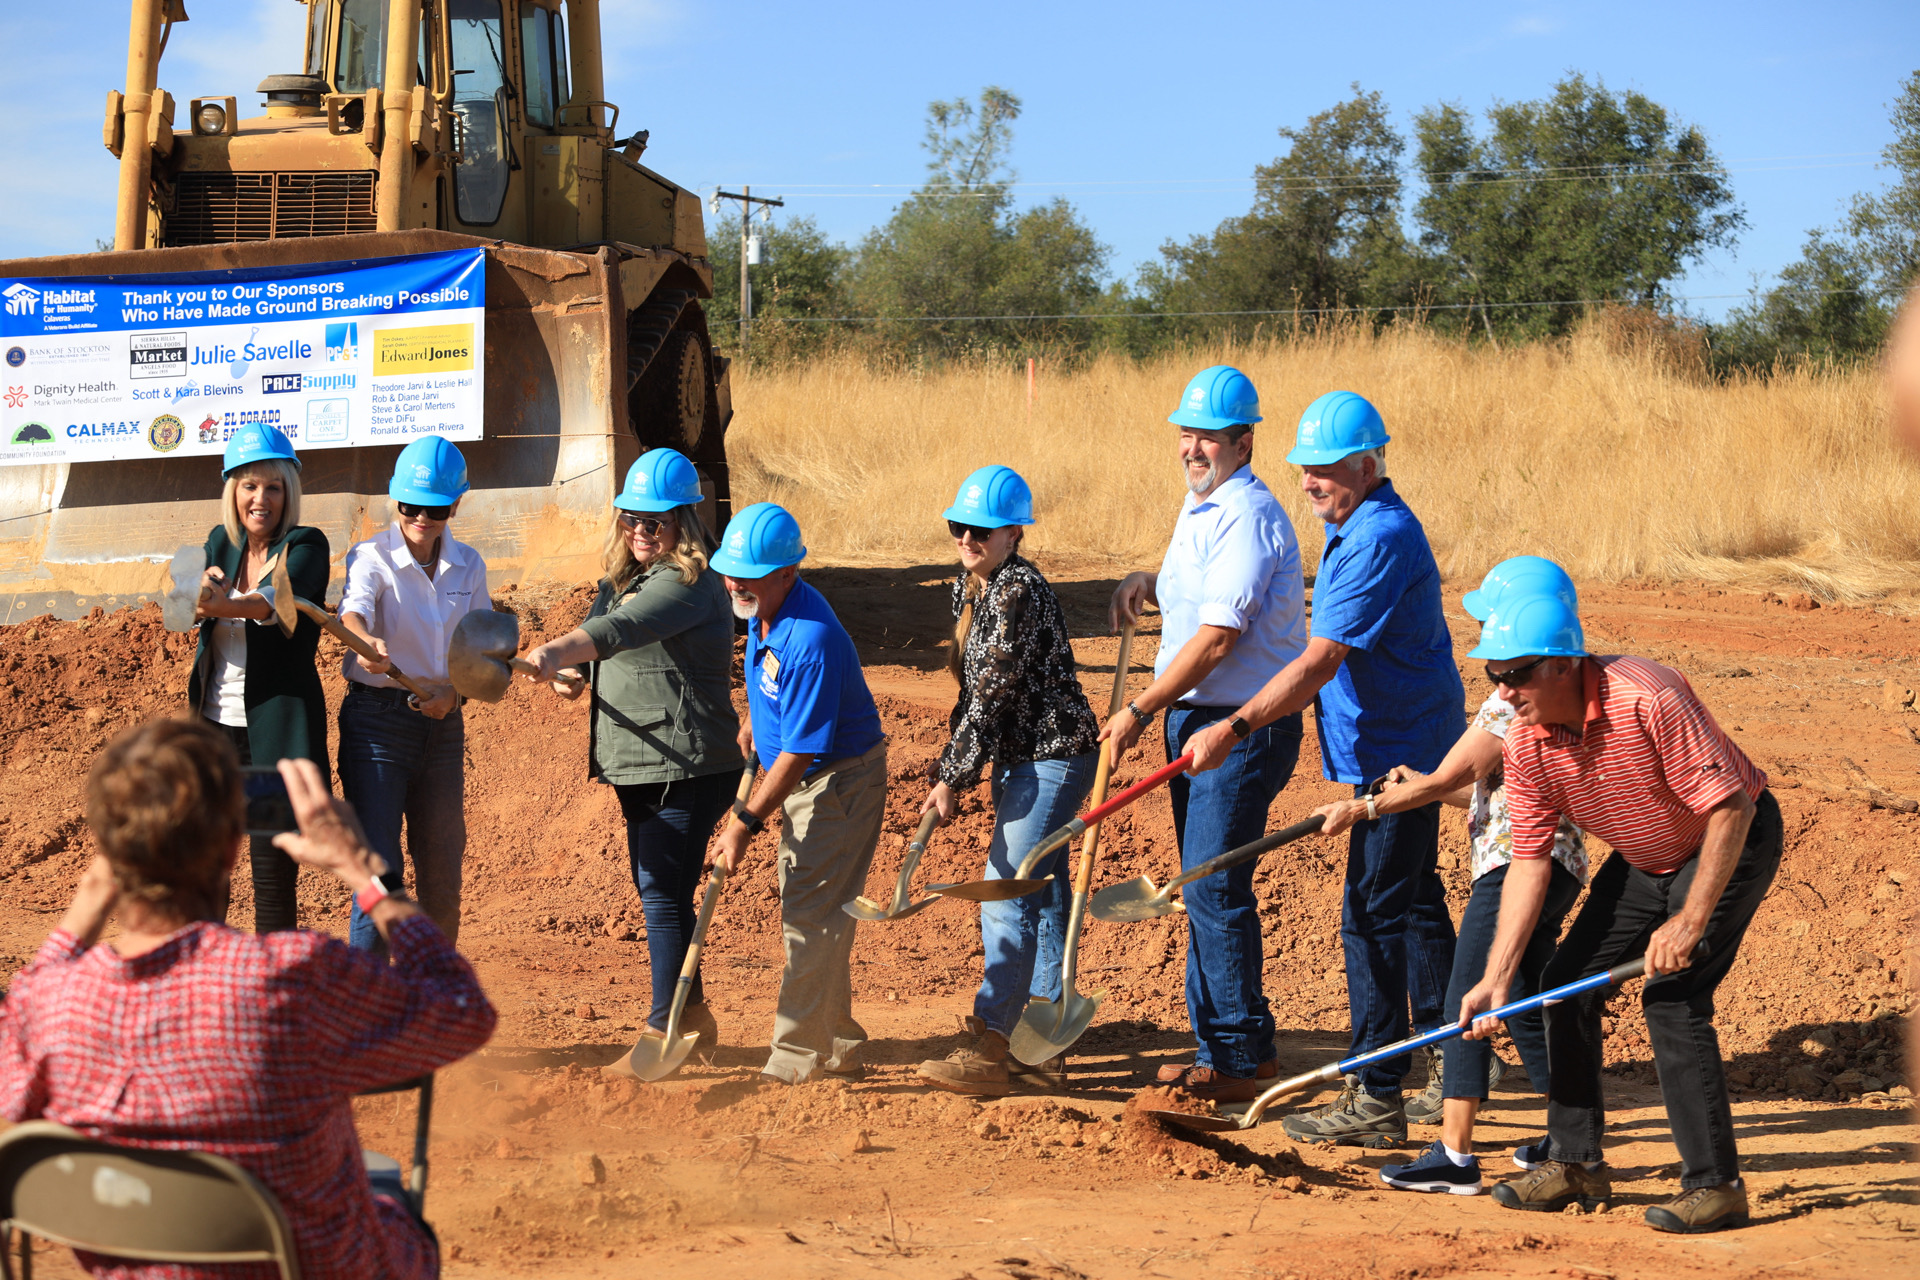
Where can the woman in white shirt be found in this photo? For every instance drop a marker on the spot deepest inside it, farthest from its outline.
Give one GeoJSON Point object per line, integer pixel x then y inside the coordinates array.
{"type": "Point", "coordinates": [402, 759]}
{"type": "Point", "coordinates": [258, 685]}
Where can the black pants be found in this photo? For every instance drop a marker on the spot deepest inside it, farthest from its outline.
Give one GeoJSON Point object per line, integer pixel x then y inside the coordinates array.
{"type": "Point", "coordinates": [1624, 907]}
{"type": "Point", "coordinates": [275, 875]}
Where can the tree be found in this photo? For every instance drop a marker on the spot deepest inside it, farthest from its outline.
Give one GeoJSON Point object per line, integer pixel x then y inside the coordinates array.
{"type": "Point", "coordinates": [1836, 301]}
{"type": "Point", "coordinates": [1584, 195]}
{"type": "Point", "coordinates": [800, 275]}
{"type": "Point", "coordinates": [1323, 232]}
{"type": "Point", "coordinates": [957, 247]}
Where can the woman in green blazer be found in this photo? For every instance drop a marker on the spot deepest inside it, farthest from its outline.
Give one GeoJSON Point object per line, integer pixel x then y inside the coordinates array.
{"type": "Point", "coordinates": [257, 685]}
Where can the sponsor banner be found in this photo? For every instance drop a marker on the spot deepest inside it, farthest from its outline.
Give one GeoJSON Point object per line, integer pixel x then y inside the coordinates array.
{"type": "Point", "coordinates": [336, 355]}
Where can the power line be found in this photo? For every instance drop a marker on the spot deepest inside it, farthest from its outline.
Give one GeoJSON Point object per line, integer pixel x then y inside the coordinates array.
{"type": "Point", "coordinates": [1283, 311]}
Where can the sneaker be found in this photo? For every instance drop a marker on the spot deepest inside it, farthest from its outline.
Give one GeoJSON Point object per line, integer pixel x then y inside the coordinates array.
{"type": "Point", "coordinates": [1434, 1171]}
{"type": "Point", "coordinates": [980, 1067]}
{"type": "Point", "coordinates": [1218, 1086]}
{"type": "Point", "coordinates": [1702, 1209]}
{"type": "Point", "coordinates": [1354, 1119]}
{"type": "Point", "coordinates": [1047, 1077]}
{"type": "Point", "coordinates": [1533, 1154]}
{"type": "Point", "coordinates": [1555, 1185]}
{"type": "Point", "coordinates": [1427, 1106]}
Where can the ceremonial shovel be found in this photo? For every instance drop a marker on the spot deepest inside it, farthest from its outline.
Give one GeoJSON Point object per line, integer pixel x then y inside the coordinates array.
{"type": "Point", "coordinates": [1047, 1028]}
{"type": "Point", "coordinates": [1334, 1070]}
{"type": "Point", "coordinates": [1139, 900]}
{"type": "Point", "coordinates": [658, 1054]}
{"type": "Point", "coordinates": [865, 908]}
{"type": "Point", "coordinates": [480, 657]}
{"type": "Point", "coordinates": [287, 608]}
{"type": "Point", "coordinates": [188, 566]}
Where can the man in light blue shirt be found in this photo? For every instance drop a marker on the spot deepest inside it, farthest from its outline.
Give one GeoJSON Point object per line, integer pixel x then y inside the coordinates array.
{"type": "Point", "coordinates": [1379, 671]}
{"type": "Point", "coordinates": [1232, 613]}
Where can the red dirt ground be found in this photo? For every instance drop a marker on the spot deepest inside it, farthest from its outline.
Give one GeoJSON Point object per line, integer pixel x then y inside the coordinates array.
{"type": "Point", "coordinates": [541, 1168]}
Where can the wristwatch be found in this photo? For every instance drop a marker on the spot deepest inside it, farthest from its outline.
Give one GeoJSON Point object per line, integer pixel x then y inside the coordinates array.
{"type": "Point", "coordinates": [1142, 716]}
{"type": "Point", "coordinates": [754, 825]}
{"type": "Point", "coordinates": [1241, 729]}
{"type": "Point", "coordinates": [370, 896]}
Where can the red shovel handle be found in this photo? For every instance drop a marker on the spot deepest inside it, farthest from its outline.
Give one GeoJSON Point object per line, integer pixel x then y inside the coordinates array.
{"type": "Point", "coordinates": [1137, 790]}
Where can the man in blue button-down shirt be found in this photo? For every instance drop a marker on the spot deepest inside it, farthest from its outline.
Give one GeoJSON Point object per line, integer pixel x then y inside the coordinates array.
{"type": "Point", "coordinates": [1379, 671]}
{"type": "Point", "coordinates": [1232, 611]}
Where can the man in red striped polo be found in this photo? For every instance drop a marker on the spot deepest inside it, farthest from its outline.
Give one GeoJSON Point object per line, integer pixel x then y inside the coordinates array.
{"type": "Point", "coordinates": [1624, 749]}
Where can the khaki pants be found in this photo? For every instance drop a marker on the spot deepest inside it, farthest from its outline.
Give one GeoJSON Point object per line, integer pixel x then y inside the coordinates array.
{"type": "Point", "coordinates": [832, 825]}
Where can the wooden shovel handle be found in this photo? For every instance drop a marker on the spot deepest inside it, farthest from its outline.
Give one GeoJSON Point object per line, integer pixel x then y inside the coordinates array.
{"type": "Point", "coordinates": [335, 628]}
{"type": "Point", "coordinates": [1083, 875]}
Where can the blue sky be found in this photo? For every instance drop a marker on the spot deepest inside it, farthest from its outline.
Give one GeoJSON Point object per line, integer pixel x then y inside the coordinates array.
{"type": "Point", "coordinates": [1150, 118]}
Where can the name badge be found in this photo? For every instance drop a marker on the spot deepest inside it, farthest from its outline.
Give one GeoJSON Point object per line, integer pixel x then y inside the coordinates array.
{"type": "Point", "coordinates": [770, 674]}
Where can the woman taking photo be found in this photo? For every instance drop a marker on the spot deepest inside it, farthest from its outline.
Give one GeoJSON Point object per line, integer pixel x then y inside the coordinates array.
{"type": "Point", "coordinates": [1021, 709]}
{"type": "Point", "coordinates": [662, 729]}
{"type": "Point", "coordinates": [256, 684]}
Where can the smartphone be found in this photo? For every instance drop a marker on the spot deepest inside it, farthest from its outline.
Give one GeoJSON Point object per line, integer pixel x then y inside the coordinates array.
{"type": "Point", "coordinates": [269, 807]}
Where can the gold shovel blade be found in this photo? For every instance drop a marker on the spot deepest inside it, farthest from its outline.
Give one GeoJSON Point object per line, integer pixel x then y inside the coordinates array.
{"type": "Point", "coordinates": [1205, 1124]}
{"type": "Point", "coordinates": [653, 1058]}
{"type": "Point", "coordinates": [1047, 1030]}
{"type": "Point", "coordinates": [1131, 901]}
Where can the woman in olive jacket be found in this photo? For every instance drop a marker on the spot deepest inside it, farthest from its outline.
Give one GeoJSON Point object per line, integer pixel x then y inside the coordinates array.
{"type": "Point", "coordinates": [662, 730]}
{"type": "Point", "coordinates": [256, 684]}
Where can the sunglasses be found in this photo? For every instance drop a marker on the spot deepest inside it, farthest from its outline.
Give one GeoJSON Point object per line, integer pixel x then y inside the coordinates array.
{"type": "Point", "coordinates": [973, 531]}
{"type": "Point", "coordinates": [1515, 677]}
{"type": "Point", "coordinates": [409, 510]}
{"type": "Point", "coordinates": [649, 525]}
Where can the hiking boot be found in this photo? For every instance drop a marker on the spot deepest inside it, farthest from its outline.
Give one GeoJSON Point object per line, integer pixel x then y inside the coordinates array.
{"type": "Point", "coordinates": [1555, 1185]}
{"type": "Point", "coordinates": [1426, 1107]}
{"type": "Point", "coordinates": [1218, 1086]}
{"type": "Point", "coordinates": [1354, 1119]}
{"type": "Point", "coordinates": [980, 1068]}
{"type": "Point", "coordinates": [1533, 1154]}
{"type": "Point", "coordinates": [1434, 1171]}
{"type": "Point", "coordinates": [1702, 1209]}
{"type": "Point", "coordinates": [1046, 1077]}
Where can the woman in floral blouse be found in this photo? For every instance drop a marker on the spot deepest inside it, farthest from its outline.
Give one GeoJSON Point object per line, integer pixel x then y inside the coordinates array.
{"type": "Point", "coordinates": [1021, 712]}
{"type": "Point", "coordinates": [1460, 1078]}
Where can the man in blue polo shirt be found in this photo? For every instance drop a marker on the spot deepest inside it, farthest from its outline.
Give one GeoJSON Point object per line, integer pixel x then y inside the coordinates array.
{"type": "Point", "coordinates": [818, 735]}
{"type": "Point", "coordinates": [1379, 671]}
{"type": "Point", "coordinates": [1232, 611]}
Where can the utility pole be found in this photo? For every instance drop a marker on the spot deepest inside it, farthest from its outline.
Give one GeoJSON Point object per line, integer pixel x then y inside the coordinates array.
{"type": "Point", "coordinates": [747, 200]}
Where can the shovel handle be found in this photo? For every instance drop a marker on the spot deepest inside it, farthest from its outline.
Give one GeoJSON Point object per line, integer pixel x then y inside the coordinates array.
{"type": "Point", "coordinates": [745, 791]}
{"type": "Point", "coordinates": [337, 629]}
{"type": "Point", "coordinates": [924, 832]}
{"type": "Point", "coordinates": [1249, 851]}
{"type": "Point", "coordinates": [525, 668]}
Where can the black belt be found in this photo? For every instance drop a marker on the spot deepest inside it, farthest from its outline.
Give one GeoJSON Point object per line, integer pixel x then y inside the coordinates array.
{"type": "Point", "coordinates": [1184, 705]}
{"type": "Point", "coordinates": [382, 692]}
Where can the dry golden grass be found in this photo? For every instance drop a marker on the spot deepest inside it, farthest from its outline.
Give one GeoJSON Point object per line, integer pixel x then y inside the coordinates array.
{"type": "Point", "coordinates": [1611, 453]}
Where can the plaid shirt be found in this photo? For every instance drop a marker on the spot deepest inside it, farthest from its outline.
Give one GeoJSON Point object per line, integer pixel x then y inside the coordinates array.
{"type": "Point", "coordinates": [250, 1047]}
{"type": "Point", "coordinates": [1649, 764]}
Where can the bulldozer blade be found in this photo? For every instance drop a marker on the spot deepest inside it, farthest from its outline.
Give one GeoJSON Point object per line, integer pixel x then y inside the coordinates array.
{"type": "Point", "coordinates": [484, 643]}
{"type": "Point", "coordinates": [1048, 1028]}
{"type": "Point", "coordinates": [185, 570]}
{"type": "Point", "coordinates": [989, 890]}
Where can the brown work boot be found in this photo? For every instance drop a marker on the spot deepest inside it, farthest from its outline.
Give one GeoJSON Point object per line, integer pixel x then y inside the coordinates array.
{"type": "Point", "coordinates": [1555, 1185]}
{"type": "Point", "coordinates": [1217, 1086]}
{"type": "Point", "coordinates": [979, 1068]}
{"type": "Point", "coordinates": [1045, 1077]}
{"type": "Point", "coordinates": [1702, 1209]}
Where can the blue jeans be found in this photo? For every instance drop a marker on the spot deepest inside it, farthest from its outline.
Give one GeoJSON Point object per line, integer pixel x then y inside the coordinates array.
{"type": "Point", "coordinates": [668, 826]}
{"type": "Point", "coordinates": [1217, 811]}
{"type": "Point", "coordinates": [1022, 937]}
{"type": "Point", "coordinates": [1464, 1073]}
{"type": "Point", "coordinates": [1397, 936]}
{"type": "Point", "coordinates": [398, 765]}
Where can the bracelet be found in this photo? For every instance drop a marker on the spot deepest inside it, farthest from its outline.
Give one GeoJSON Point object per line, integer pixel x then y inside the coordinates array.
{"type": "Point", "coordinates": [1373, 814]}
{"type": "Point", "coordinates": [747, 819]}
{"type": "Point", "coordinates": [370, 896]}
{"type": "Point", "coordinates": [1142, 716]}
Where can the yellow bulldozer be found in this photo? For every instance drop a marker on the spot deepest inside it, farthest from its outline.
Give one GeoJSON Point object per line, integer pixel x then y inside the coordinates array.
{"type": "Point", "coordinates": [413, 127]}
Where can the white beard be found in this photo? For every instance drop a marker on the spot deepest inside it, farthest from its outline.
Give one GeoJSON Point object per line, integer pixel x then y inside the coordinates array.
{"type": "Point", "coordinates": [1205, 483]}
{"type": "Point", "coordinates": [746, 609]}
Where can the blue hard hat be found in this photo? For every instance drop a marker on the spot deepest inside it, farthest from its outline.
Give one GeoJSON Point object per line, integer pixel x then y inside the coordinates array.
{"type": "Point", "coordinates": [760, 539]}
{"type": "Point", "coordinates": [429, 473]}
{"type": "Point", "coordinates": [660, 480]}
{"type": "Point", "coordinates": [1336, 425]}
{"type": "Point", "coordinates": [992, 498]}
{"type": "Point", "coordinates": [1530, 623]}
{"type": "Point", "coordinates": [254, 442]}
{"type": "Point", "coordinates": [1529, 572]}
{"type": "Point", "coordinates": [1217, 398]}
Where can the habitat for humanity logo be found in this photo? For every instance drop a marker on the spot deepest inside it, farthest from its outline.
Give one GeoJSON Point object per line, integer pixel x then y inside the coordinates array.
{"type": "Point", "coordinates": [22, 299]}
